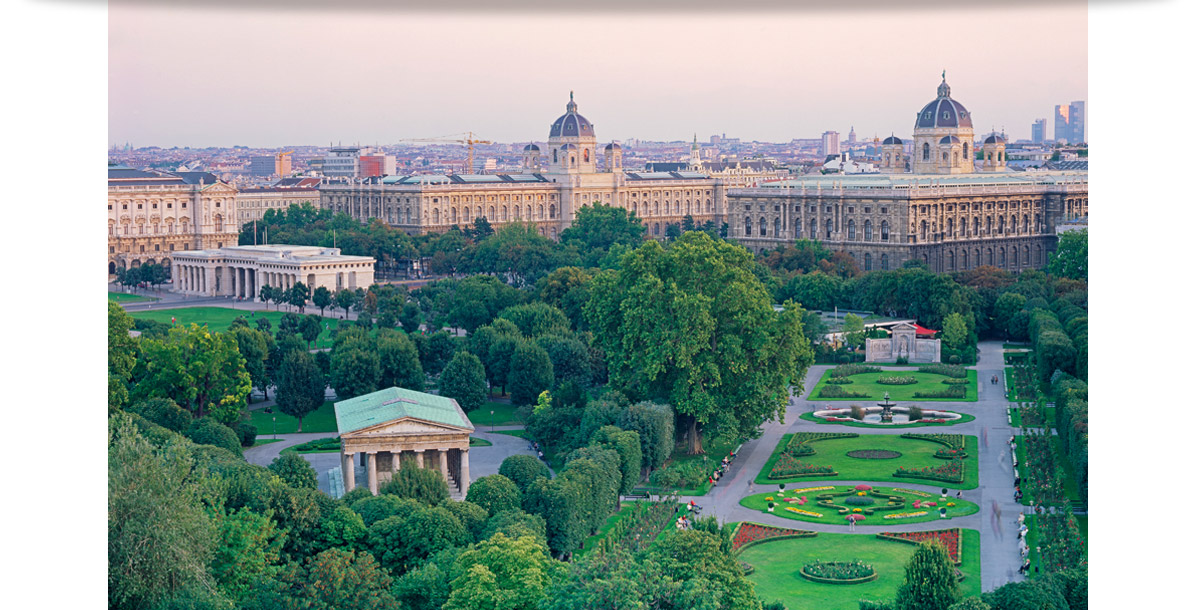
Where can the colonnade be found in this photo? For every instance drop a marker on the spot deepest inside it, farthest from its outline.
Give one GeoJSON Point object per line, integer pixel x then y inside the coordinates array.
{"type": "Point", "coordinates": [230, 280]}
{"type": "Point", "coordinates": [381, 465]}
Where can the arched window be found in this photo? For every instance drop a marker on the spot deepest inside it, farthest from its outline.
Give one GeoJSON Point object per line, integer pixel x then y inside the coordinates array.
{"type": "Point", "coordinates": [1026, 255]}
{"type": "Point", "coordinates": [1013, 226]}
{"type": "Point", "coordinates": [951, 253]}
{"type": "Point", "coordinates": [976, 219]}
{"type": "Point", "coordinates": [867, 261]}
{"type": "Point", "coordinates": [924, 229]}
{"type": "Point", "coordinates": [812, 229]}
{"type": "Point", "coordinates": [556, 155]}
{"type": "Point", "coordinates": [866, 230]}
{"type": "Point", "coordinates": [777, 234]}
{"type": "Point", "coordinates": [850, 230]}
{"type": "Point", "coordinates": [586, 155]}
{"type": "Point", "coordinates": [991, 257]}
{"type": "Point", "coordinates": [883, 231]}
{"type": "Point", "coordinates": [748, 227]}
{"type": "Point", "coordinates": [925, 151]}
{"type": "Point", "coordinates": [978, 258]}
{"type": "Point", "coordinates": [989, 225]}
{"type": "Point", "coordinates": [656, 228]}
{"type": "Point", "coordinates": [541, 212]}
{"type": "Point", "coordinates": [798, 229]}
{"type": "Point", "coordinates": [966, 151]}
{"type": "Point", "coordinates": [883, 262]}
{"type": "Point", "coordinates": [762, 227]}
{"type": "Point", "coordinates": [552, 211]}
{"type": "Point", "coordinates": [1002, 258]}
{"type": "Point", "coordinates": [989, 156]}
{"type": "Point", "coordinates": [1001, 224]}
{"type": "Point", "coordinates": [945, 157]}
{"type": "Point", "coordinates": [829, 228]}
{"type": "Point", "coordinates": [528, 212]}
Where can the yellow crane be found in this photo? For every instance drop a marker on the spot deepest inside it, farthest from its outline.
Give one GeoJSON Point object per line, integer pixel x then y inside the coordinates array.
{"type": "Point", "coordinates": [470, 141]}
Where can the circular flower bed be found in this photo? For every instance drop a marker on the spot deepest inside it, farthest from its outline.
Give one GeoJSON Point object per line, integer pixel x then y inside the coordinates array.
{"type": "Point", "coordinates": [839, 572]}
{"type": "Point", "coordinates": [873, 454]}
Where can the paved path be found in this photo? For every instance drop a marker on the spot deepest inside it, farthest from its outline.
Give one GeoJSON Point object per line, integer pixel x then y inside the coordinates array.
{"type": "Point", "coordinates": [998, 541]}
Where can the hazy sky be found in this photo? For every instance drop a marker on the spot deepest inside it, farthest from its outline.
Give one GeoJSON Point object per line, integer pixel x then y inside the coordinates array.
{"type": "Point", "coordinates": [224, 76]}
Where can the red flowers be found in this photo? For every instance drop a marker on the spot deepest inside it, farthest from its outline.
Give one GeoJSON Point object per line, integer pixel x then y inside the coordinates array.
{"type": "Point", "coordinates": [750, 532]}
{"type": "Point", "coordinates": [948, 538]}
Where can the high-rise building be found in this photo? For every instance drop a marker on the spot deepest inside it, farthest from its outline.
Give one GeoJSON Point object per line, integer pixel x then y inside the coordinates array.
{"type": "Point", "coordinates": [1062, 123]}
{"type": "Point", "coordinates": [1039, 131]}
{"type": "Point", "coordinates": [279, 164]}
{"type": "Point", "coordinates": [377, 165]}
{"type": "Point", "coordinates": [1078, 122]}
{"type": "Point", "coordinates": [830, 143]}
{"type": "Point", "coordinates": [342, 161]}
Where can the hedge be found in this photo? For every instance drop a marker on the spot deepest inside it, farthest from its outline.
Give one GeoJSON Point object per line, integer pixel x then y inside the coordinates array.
{"type": "Point", "coordinates": [949, 370]}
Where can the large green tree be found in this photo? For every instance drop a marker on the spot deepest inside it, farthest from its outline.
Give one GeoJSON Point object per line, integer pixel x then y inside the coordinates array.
{"type": "Point", "coordinates": [1070, 259]}
{"type": "Point", "coordinates": [597, 228]}
{"type": "Point", "coordinates": [530, 373]}
{"type": "Point", "coordinates": [929, 581]}
{"type": "Point", "coordinates": [693, 326]}
{"type": "Point", "coordinates": [300, 386]}
{"type": "Point", "coordinates": [255, 348]}
{"type": "Point", "coordinates": [501, 573]}
{"type": "Point", "coordinates": [495, 493]}
{"type": "Point", "coordinates": [463, 380]}
{"type": "Point", "coordinates": [122, 355]}
{"type": "Point", "coordinates": [201, 371]}
{"type": "Point", "coordinates": [399, 362]}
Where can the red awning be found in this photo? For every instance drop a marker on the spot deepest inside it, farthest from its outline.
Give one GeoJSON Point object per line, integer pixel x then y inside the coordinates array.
{"type": "Point", "coordinates": [924, 332]}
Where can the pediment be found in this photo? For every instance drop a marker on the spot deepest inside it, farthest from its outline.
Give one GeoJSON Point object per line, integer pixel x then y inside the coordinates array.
{"type": "Point", "coordinates": [405, 426]}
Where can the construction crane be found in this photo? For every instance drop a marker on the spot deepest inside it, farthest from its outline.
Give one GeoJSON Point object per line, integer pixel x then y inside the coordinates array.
{"type": "Point", "coordinates": [470, 141]}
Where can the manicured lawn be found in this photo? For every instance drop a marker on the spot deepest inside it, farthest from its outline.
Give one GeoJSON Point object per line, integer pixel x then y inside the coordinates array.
{"type": "Point", "coordinates": [479, 442]}
{"type": "Point", "coordinates": [831, 516]}
{"type": "Point", "coordinates": [482, 417]}
{"type": "Point", "coordinates": [964, 419]}
{"type": "Point", "coordinates": [915, 453]}
{"type": "Point", "coordinates": [123, 297]}
{"type": "Point", "coordinates": [321, 420]}
{"type": "Point", "coordinates": [777, 566]}
{"type": "Point", "coordinates": [268, 441]}
{"type": "Point", "coordinates": [926, 382]}
{"type": "Point", "coordinates": [219, 319]}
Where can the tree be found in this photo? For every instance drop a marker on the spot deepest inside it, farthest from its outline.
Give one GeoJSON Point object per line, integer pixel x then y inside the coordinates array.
{"type": "Point", "coordinates": [322, 298]}
{"type": "Point", "coordinates": [208, 431]}
{"type": "Point", "coordinates": [696, 559]}
{"type": "Point", "coordinates": [345, 299]}
{"type": "Point", "coordinates": [310, 328]}
{"type": "Point", "coordinates": [929, 582]}
{"type": "Point", "coordinates": [628, 447]}
{"type": "Point", "coordinates": [122, 355]}
{"type": "Point", "coordinates": [435, 351]}
{"type": "Point", "coordinates": [354, 371]}
{"type": "Point", "coordinates": [248, 547]}
{"type": "Point", "coordinates": [335, 579]}
{"type": "Point", "coordinates": [294, 470]}
{"type": "Point", "coordinates": [655, 426]}
{"type": "Point", "coordinates": [374, 509]}
{"type": "Point", "coordinates": [568, 357]}
{"type": "Point", "coordinates": [852, 330]}
{"type": "Point", "coordinates": [401, 542]}
{"type": "Point", "coordinates": [254, 346]}
{"type": "Point", "coordinates": [410, 318]}
{"type": "Point", "coordinates": [954, 332]}
{"type": "Point", "coordinates": [693, 327]}
{"type": "Point", "coordinates": [298, 295]}
{"type": "Point", "coordinates": [399, 362]}
{"type": "Point", "coordinates": [971, 603]}
{"type": "Point", "coordinates": [159, 539]}
{"type": "Point", "coordinates": [480, 231]}
{"type": "Point", "coordinates": [421, 484]}
{"type": "Point", "coordinates": [561, 502]}
{"type": "Point", "coordinates": [597, 228]}
{"type": "Point", "coordinates": [464, 381]}
{"type": "Point", "coordinates": [1033, 594]}
{"type": "Point", "coordinates": [495, 493]}
{"type": "Point", "coordinates": [300, 386]}
{"type": "Point", "coordinates": [501, 573]}
{"type": "Point", "coordinates": [1007, 305]}
{"type": "Point", "coordinates": [343, 528]}
{"type": "Point", "coordinates": [530, 373]}
{"type": "Point", "coordinates": [201, 371]}
{"type": "Point", "coordinates": [1070, 258]}
{"type": "Point", "coordinates": [523, 470]}
{"type": "Point", "coordinates": [499, 360]}
{"type": "Point", "coordinates": [164, 412]}
{"type": "Point", "coordinates": [536, 319]}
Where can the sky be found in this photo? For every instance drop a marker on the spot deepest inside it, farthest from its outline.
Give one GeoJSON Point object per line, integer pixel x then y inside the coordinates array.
{"type": "Point", "coordinates": [226, 76]}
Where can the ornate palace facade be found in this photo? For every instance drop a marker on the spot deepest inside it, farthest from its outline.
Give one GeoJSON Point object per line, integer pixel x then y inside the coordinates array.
{"type": "Point", "coordinates": [152, 215]}
{"type": "Point", "coordinates": [948, 212]}
{"type": "Point", "coordinates": [553, 184]}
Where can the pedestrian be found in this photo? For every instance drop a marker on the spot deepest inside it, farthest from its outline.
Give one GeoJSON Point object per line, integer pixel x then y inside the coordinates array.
{"type": "Point", "coordinates": [959, 495]}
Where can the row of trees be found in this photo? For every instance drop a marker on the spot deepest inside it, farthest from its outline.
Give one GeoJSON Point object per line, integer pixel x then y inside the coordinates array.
{"type": "Point", "coordinates": [150, 274]}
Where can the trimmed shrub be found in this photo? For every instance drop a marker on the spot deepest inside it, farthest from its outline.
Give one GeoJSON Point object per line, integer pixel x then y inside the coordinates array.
{"type": "Point", "coordinates": [915, 413]}
{"type": "Point", "coordinates": [836, 391]}
{"type": "Point", "coordinates": [857, 412]}
{"type": "Point", "coordinates": [294, 470]}
{"type": "Point", "coordinates": [845, 370]}
{"type": "Point", "coordinates": [950, 392]}
{"type": "Point", "coordinates": [956, 381]}
{"type": "Point", "coordinates": [208, 431]}
{"type": "Point", "coordinates": [164, 412]}
{"type": "Point", "coordinates": [247, 433]}
{"type": "Point", "coordinates": [949, 370]}
{"type": "Point", "coordinates": [840, 380]}
{"type": "Point", "coordinates": [901, 380]}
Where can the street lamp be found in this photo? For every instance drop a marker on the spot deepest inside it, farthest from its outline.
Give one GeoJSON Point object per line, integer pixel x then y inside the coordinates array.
{"type": "Point", "coordinates": [493, 420]}
{"type": "Point", "coordinates": [273, 430]}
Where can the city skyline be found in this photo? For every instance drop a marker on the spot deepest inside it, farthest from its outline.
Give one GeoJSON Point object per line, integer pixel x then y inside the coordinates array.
{"type": "Point", "coordinates": [282, 78]}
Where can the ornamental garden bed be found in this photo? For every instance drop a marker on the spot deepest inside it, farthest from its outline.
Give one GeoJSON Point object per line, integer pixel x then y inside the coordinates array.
{"type": "Point", "coordinates": [635, 527]}
{"type": "Point", "coordinates": [748, 534]}
{"type": "Point", "coordinates": [874, 454]}
{"type": "Point", "coordinates": [839, 572]}
{"type": "Point", "coordinates": [917, 462]}
{"type": "Point", "coordinates": [867, 387]}
{"type": "Point", "coordinates": [777, 565]}
{"type": "Point", "coordinates": [846, 421]}
{"type": "Point", "coordinates": [875, 505]}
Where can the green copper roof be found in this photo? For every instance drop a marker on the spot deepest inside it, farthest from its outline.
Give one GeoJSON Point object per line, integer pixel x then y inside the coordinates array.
{"type": "Point", "coordinates": [394, 403]}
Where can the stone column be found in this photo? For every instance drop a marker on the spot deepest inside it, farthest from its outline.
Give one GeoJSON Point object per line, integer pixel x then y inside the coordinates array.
{"type": "Point", "coordinates": [348, 471]}
{"type": "Point", "coordinates": [372, 475]}
{"type": "Point", "coordinates": [210, 281]}
{"type": "Point", "coordinates": [261, 281]}
{"type": "Point", "coordinates": [231, 288]}
{"type": "Point", "coordinates": [444, 463]}
{"type": "Point", "coordinates": [464, 470]}
{"type": "Point", "coordinates": [175, 275]}
{"type": "Point", "coordinates": [420, 457]}
{"type": "Point", "coordinates": [395, 461]}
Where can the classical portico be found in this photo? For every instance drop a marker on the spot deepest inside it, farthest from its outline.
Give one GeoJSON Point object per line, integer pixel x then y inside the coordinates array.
{"type": "Point", "coordinates": [382, 429]}
{"type": "Point", "coordinates": [242, 271]}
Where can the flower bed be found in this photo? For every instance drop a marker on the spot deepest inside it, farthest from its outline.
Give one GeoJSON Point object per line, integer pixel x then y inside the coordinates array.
{"type": "Point", "coordinates": [949, 370]}
{"type": "Point", "coordinates": [846, 370]}
{"type": "Point", "coordinates": [748, 534]}
{"type": "Point", "coordinates": [953, 441]}
{"type": "Point", "coordinates": [914, 492]}
{"type": "Point", "coordinates": [949, 538]}
{"type": "Point", "coordinates": [873, 454]}
{"type": "Point", "coordinates": [956, 381]}
{"type": "Point", "coordinates": [903, 515]}
{"type": "Point", "coordinates": [950, 454]}
{"type": "Point", "coordinates": [950, 472]}
{"type": "Point", "coordinates": [801, 511]}
{"type": "Point", "coordinates": [788, 466]}
{"type": "Point", "coordinates": [899, 380]}
{"type": "Point", "coordinates": [806, 489]}
{"type": "Point", "coordinates": [836, 391]}
{"type": "Point", "coordinates": [839, 572]}
{"type": "Point", "coordinates": [840, 380]}
{"type": "Point", "coordinates": [954, 391]}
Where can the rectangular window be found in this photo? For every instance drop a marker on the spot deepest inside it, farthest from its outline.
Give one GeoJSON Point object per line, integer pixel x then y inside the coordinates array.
{"type": "Point", "coordinates": [183, 205]}
{"type": "Point", "coordinates": [156, 247]}
{"type": "Point", "coordinates": [139, 206]}
{"type": "Point", "coordinates": [169, 205]}
{"type": "Point", "coordinates": [154, 206]}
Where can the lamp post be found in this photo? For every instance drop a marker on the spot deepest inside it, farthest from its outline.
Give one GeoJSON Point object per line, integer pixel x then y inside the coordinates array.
{"type": "Point", "coordinates": [493, 420]}
{"type": "Point", "coordinates": [274, 434]}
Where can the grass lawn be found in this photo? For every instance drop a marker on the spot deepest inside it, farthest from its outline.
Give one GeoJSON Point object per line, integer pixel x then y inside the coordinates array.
{"type": "Point", "coordinates": [479, 442]}
{"type": "Point", "coordinates": [321, 420]}
{"type": "Point", "coordinates": [810, 417]}
{"type": "Point", "coordinates": [483, 417]}
{"type": "Point", "coordinates": [777, 566]}
{"type": "Point", "coordinates": [123, 297]}
{"type": "Point", "coordinates": [926, 382]}
{"type": "Point", "coordinates": [268, 441]}
{"type": "Point", "coordinates": [915, 453]}
{"type": "Point", "coordinates": [219, 318]}
{"type": "Point", "coordinates": [831, 516]}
